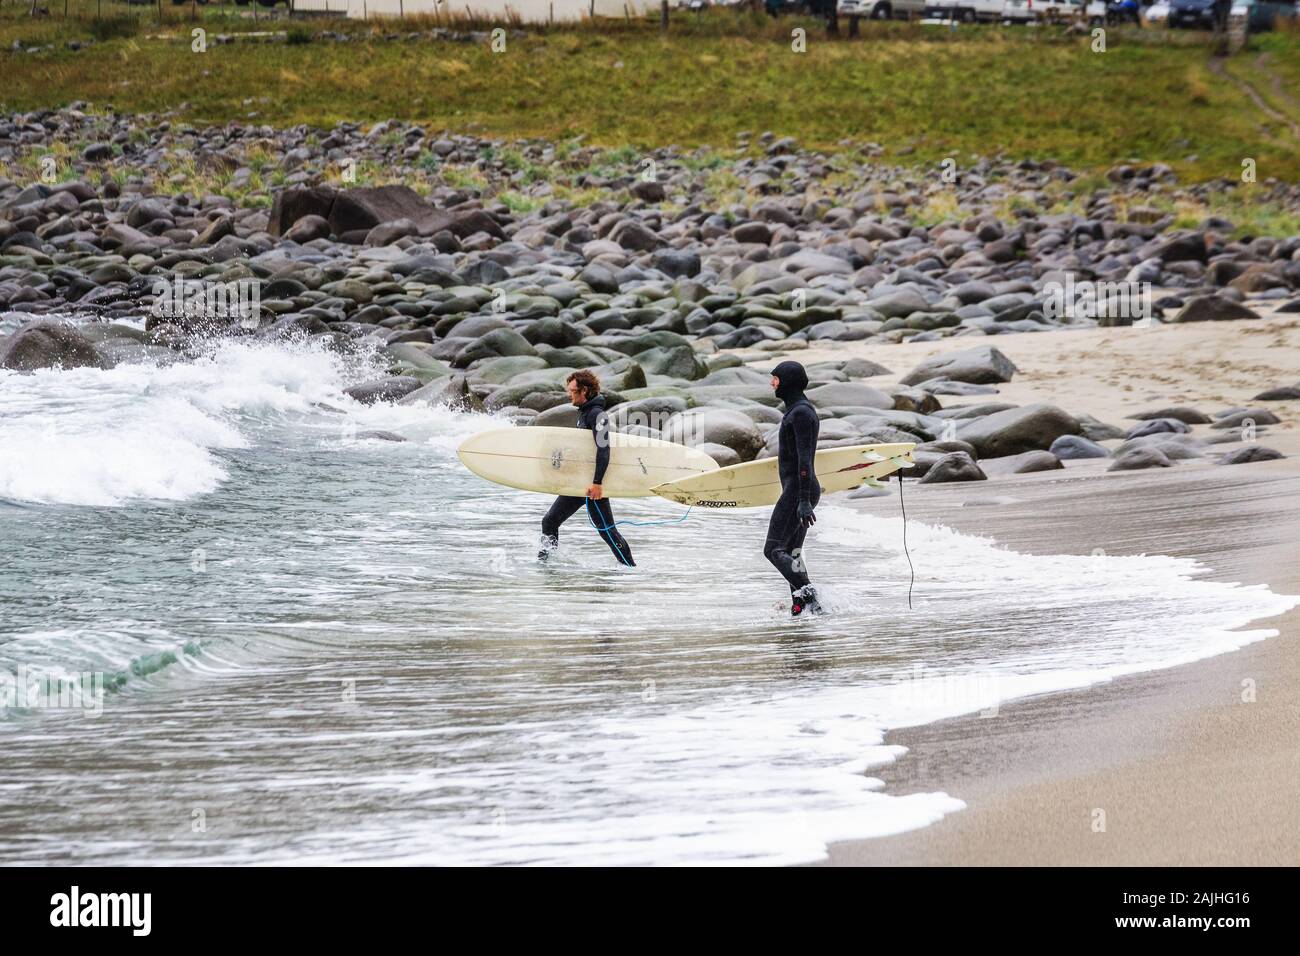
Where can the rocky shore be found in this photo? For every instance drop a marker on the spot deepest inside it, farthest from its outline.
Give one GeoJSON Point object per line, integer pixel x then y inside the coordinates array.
{"type": "Point", "coordinates": [480, 273]}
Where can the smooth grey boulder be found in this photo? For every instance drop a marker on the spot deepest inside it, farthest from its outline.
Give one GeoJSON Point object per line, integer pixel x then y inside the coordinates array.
{"type": "Point", "coordinates": [1183, 413]}
{"type": "Point", "coordinates": [849, 393]}
{"type": "Point", "coordinates": [651, 413]}
{"type": "Point", "coordinates": [1213, 308]}
{"type": "Point", "coordinates": [1024, 463]}
{"type": "Point", "coordinates": [1240, 417]}
{"type": "Point", "coordinates": [1250, 453]}
{"type": "Point", "coordinates": [1028, 428]}
{"type": "Point", "coordinates": [497, 343]}
{"type": "Point", "coordinates": [1071, 447]}
{"type": "Point", "coordinates": [1136, 459]}
{"type": "Point", "coordinates": [954, 466]}
{"type": "Point", "coordinates": [40, 345]}
{"type": "Point", "coordinates": [1175, 447]}
{"type": "Point", "coordinates": [721, 426]}
{"type": "Point", "coordinates": [1095, 430]}
{"type": "Point", "coordinates": [679, 361]}
{"type": "Point", "coordinates": [390, 388]}
{"type": "Point", "coordinates": [499, 371]}
{"type": "Point", "coordinates": [1283, 393]}
{"type": "Point", "coordinates": [724, 456]}
{"type": "Point", "coordinates": [982, 365]}
{"type": "Point", "coordinates": [1155, 426]}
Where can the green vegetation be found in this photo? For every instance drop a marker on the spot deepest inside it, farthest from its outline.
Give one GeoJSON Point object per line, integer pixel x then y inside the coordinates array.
{"type": "Point", "coordinates": [924, 94]}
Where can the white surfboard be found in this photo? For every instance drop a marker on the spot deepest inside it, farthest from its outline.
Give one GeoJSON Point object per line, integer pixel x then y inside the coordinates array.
{"type": "Point", "coordinates": [561, 461]}
{"type": "Point", "coordinates": [757, 483]}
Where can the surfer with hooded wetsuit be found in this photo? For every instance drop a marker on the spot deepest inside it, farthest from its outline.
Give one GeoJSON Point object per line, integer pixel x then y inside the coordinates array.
{"type": "Point", "coordinates": [584, 391]}
{"type": "Point", "coordinates": [793, 514]}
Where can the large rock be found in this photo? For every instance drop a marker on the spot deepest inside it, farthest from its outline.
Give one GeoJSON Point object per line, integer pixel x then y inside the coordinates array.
{"type": "Point", "coordinates": [1156, 426]}
{"type": "Point", "coordinates": [494, 344]}
{"type": "Point", "coordinates": [1183, 413]}
{"type": "Point", "coordinates": [724, 456]}
{"type": "Point", "coordinates": [955, 466]}
{"type": "Point", "coordinates": [1249, 454]}
{"type": "Point", "coordinates": [620, 376]}
{"type": "Point", "coordinates": [1028, 428]}
{"type": "Point", "coordinates": [1073, 447]}
{"type": "Point", "coordinates": [308, 228]}
{"type": "Point", "coordinates": [365, 207]}
{"type": "Point", "coordinates": [1213, 308]}
{"type": "Point", "coordinates": [390, 388]}
{"type": "Point", "coordinates": [849, 394]}
{"type": "Point", "coordinates": [1022, 464]}
{"type": "Point", "coordinates": [721, 426]}
{"type": "Point", "coordinates": [1136, 459]}
{"type": "Point", "coordinates": [1283, 393]}
{"type": "Point", "coordinates": [1240, 417]}
{"type": "Point", "coordinates": [49, 345]}
{"type": "Point", "coordinates": [651, 413]}
{"type": "Point", "coordinates": [453, 392]}
{"type": "Point", "coordinates": [677, 361]}
{"type": "Point", "coordinates": [982, 365]}
{"type": "Point", "coordinates": [899, 304]}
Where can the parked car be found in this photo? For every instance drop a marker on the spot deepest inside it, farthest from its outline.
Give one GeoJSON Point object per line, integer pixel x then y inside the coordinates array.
{"type": "Point", "coordinates": [883, 9]}
{"type": "Point", "coordinates": [1019, 11]}
{"type": "Point", "coordinates": [1192, 13]}
{"type": "Point", "coordinates": [966, 11]}
{"type": "Point", "coordinates": [1053, 11]}
{"type": "Point", "coordinates": [1157, 13]}
{"type": "Point", "coordinates": [1262, 15]}
{"type": "Point", "coordinates": [1123, 11]}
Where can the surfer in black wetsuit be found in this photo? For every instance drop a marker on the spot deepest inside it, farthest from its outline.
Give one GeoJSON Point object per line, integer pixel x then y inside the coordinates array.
{"type": "Point", "coordinates": [584, 391]}
{"type": "Point", "coordinates": [800, 492]}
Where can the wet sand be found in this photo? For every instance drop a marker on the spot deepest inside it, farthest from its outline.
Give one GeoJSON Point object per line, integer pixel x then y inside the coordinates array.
{"type": "Point", "coordinates": [1185, 770]}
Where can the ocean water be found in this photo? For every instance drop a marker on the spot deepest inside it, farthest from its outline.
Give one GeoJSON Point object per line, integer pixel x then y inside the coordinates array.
{"type": "Point", "coordinates": [316, 647]}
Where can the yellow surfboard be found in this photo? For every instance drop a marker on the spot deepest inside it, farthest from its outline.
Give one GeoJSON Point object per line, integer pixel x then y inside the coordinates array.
{"type": "Point", "coordinates": [757, 483]}
{"type": "Point", "coordinates": [561, 461]}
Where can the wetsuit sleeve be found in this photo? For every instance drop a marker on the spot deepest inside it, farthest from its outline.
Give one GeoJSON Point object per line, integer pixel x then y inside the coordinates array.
{"type": "Point", "coordinates": [806, 426]}
{"type": "Point", "coordinates": [600, 430]}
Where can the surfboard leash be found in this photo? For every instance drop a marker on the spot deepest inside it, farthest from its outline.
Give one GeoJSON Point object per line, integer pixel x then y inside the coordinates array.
{"type": "Point", "coordinates": [615, 524]}
{"type": "Point", "coordinates": [905, 551]}
{"type": "Point", "coordinates": [639, 524]}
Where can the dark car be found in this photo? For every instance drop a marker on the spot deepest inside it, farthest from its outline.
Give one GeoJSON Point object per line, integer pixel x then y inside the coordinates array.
{"type": "Point", "coordinates": [1192, 13]}
{"type": "Point", "coordinates": [1123, 11]}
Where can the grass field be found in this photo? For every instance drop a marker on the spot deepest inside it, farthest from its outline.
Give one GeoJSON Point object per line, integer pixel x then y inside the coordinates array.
{"type": "Point", "coordinates": [922, 92]}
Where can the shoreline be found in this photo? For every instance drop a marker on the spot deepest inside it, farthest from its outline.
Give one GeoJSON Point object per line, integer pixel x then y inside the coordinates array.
{"type": "Point", "coordinates": [1184, 770]}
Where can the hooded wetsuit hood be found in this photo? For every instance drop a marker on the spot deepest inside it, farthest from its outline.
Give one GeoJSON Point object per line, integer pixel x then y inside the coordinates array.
{"type": "Point", "coordinates": [794, 379]}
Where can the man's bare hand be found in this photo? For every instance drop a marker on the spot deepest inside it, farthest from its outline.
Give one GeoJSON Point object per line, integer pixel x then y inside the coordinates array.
{"type": "Point", "coordinates": [595, 493]}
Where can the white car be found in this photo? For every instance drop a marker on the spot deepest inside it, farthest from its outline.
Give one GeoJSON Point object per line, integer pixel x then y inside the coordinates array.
{"type": "Point", "coordinates": [1158, 12]}
{"type": "Point", "coordinates": [1027, 11]}
{"type": "Point", "coordinates": [882, 9]}
{"type": "Point", "coordinates": [966, 11]}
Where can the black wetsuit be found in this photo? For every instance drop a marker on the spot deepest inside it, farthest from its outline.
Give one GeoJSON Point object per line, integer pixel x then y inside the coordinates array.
{"type": "Point", "coordinates": [800, 492]}
{"type": "Point", "coordinates": [591, 414]}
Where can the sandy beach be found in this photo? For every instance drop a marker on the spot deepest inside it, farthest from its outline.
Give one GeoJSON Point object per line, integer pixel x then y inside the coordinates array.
{"type": "Point", "coordinates": [1187, 769]}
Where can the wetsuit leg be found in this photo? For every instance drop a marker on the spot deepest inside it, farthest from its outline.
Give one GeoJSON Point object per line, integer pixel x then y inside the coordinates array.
{"type": "Point", "coordinates": [602, 516]}
{"type": "Point", "coordinates": [785, 535]}
{"type": "Point", "coordinates": [561, 511]}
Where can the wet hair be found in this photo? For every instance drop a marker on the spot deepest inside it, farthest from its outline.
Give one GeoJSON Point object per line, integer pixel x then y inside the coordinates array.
{"type": "Point", "coordinates": [586, 381]}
